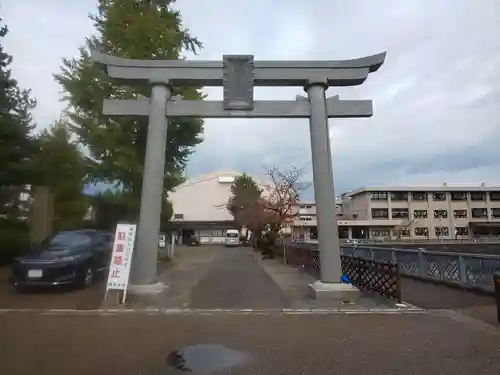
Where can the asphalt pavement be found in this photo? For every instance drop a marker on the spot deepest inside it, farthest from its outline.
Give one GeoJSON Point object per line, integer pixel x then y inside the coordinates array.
{"type": "Point", "coordinates": [348, 344]}
{"type": "Point", "coordinates": [143, 342]}
{"type": "Point", "coordinates": [236, 281]}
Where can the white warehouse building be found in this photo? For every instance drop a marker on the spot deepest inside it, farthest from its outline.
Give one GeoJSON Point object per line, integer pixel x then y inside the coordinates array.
{"type": "Point", "coordinates": [199, 207]}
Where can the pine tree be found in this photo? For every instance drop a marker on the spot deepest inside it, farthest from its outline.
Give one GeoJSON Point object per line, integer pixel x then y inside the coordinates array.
{"type": "Point", "coordinates": [17, 145]}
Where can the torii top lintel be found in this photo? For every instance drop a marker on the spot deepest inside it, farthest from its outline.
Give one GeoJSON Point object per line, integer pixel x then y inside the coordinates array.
{"type": "Point", "coordinates": [262, 73]}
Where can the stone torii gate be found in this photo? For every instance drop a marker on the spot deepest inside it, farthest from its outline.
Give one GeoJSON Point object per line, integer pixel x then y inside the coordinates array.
{"type": "Point", "coordinates": [238, 74]}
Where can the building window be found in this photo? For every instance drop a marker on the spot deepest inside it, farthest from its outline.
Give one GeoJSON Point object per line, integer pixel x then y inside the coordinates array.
{"type": "Point", "coordinates": [305, 206]}
{"type": "Point", "coordinates": [400, 213]}
{"type": "Point", "coordinates": [462, 231]}
{"type": "Point", "coordinates": [420, 214]}
{"type": "Point", "coordinates": [495, 212]}
{"type": "Point", "coordinates": [477, 196]}
{"type": "Point", "coordinates": [458, 196]}
{"type": "Point", "coordinates": [380, 213]}
{"type": "Point", "coordinates": [442, 231]}
{"type": "Point", "coordinates": [479, 212]}
{"type": "Point", "coordinates": [440, 214]}
{"type": "Point", "coordinates": [313, 233]}
{"type": "Point", "coordinates": [401, 232]}
{"type": "Point", "coordinates": [460, 214]}
{"type": "Point", "coordinates": [178, 216]}
{"type": "Point", "coordinates": [217, 233]}
{"type": "Point", "coordinates": [494, 195]}
{"type": "Point", "coordinates": [378, 196]}
{"type": "Point", "coordinates": [380, 233]}
{"type": "Point", "coordinates": [422, 231]}
{"type": "Point", "coordinates": [439, 196]}
{"type": "Point", "coordinates": [418, 196]}
{"type": "Point", "coordinates": [399, 196]}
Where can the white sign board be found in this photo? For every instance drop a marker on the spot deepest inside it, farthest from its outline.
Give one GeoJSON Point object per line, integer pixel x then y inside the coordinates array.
{"type": "Point", "coordinates": [121, 259]}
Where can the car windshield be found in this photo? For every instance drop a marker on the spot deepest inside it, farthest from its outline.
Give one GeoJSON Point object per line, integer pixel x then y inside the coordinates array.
{"type": "Point", "coordinates": [69, 239]}
{"type": "Point", "coordinates": [232, 235]}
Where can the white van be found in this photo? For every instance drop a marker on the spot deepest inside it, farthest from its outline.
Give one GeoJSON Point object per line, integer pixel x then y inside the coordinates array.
{"type": "Point", "coordinates": [232, 237]}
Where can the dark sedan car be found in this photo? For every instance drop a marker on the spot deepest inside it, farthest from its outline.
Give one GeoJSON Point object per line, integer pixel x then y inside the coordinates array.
{"type": "Point", "coordinates": [69, 257]}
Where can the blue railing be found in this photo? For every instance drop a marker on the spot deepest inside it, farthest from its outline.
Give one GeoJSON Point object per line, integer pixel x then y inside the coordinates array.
{"type": "Point", "coordinates": [463, 269]}
{"type": "Point", "coordinates": [467, 270]}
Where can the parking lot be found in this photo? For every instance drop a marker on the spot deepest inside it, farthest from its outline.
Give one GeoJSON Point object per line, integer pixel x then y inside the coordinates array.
{"type": "Point", "coordinates": [54, 298]}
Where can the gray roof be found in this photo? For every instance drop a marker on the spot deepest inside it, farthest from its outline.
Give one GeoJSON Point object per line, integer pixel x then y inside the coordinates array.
{"type": "Point", "coordinates": [424, 188]}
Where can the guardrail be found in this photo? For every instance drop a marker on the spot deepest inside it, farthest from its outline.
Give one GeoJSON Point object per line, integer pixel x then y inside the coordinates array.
{"type": "Point", "coordinates": [344, 241]}
{"type": "Point", "coordinates": [474, 271]}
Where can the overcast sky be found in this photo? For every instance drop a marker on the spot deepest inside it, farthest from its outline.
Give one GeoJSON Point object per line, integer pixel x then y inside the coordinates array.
{"type": "Point", "coordinates": [436, 98]}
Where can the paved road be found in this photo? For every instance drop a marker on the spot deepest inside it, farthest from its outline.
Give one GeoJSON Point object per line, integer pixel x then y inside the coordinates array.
{"type": "Point", "coordinates": [132, 344]}
{"type": "Point", "coordinates": [234, 281]}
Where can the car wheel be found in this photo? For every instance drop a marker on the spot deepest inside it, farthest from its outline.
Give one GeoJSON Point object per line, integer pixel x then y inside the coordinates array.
{"type": "Point", "coordinates": [87, 277]}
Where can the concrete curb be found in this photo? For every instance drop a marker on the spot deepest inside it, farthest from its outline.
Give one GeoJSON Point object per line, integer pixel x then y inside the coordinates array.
{"type": "Point", "coordinates": [157, 311]}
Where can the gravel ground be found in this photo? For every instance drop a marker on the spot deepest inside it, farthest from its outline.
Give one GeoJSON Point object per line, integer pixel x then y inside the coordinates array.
{"type": "Point", "coordinates": [429, 295]}
{"type": "Point", "coordinates": [436, 297]}
{"type": "Point", "coordinates": [132, 344]}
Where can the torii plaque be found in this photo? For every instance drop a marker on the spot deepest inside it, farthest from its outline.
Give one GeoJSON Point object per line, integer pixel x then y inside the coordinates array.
{"type": "Point", "coordinates": [238, 74]}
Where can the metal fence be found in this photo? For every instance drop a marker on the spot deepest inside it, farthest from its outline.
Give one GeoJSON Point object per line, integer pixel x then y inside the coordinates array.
{"type": "Point", "coordinates": [379, 276]}
{"type": "Point", "coordinates": [411, 241]}
{"type": "Point", "coordinates": [466, 270]}
{"type": "Point", "coordinates": [462, 269]}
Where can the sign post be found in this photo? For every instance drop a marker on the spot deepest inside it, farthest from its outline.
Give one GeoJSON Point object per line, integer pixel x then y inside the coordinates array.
{"type": "Point", "coordinates": [121, 260]}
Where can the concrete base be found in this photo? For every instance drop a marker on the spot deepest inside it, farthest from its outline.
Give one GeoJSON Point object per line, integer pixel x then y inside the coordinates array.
{"type": "Point", "coordinates": [147, 289]}
{"type": "Point", "coordinates": [333, 291]}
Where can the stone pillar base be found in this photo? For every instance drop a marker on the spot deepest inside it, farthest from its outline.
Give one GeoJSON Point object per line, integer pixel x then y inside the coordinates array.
{"type": "Point", "coordinates": [333, 291]}
{"type": "Point", "coordinates": [148, 295]}
{"type": "Point", "coordinates": [145, 289]}
{"type": "Point", "coordinates": [141, 295]}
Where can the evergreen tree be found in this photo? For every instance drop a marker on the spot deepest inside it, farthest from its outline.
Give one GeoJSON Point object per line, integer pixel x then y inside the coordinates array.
{"type": "Point", "coordinates": [131, 29]}
{"type": "Point", "coordinates": [61, 166]}
{"type": "Point", "coordinates": [17, 145]}
{"type": "Point", "coordinates": [245, 202]}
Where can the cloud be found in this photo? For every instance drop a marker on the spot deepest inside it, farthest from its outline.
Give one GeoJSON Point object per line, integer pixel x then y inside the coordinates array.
{"type": "Point", "coordinates": [436, 99]}
{"type": "Point", "coordinates": [40, 34]}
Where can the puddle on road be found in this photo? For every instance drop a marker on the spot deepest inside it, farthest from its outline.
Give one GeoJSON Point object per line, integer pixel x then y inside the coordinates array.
{"type": "Point", "coordinates": [204, 359]}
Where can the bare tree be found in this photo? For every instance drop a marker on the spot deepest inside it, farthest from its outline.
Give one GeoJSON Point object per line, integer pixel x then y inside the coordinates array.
{"type": "Point", "coordinates": [281, 194]}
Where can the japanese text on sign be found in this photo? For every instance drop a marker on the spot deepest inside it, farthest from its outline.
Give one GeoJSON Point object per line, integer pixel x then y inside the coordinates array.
{"type": "Point", "coordinates": [121, 258]}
